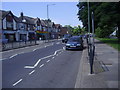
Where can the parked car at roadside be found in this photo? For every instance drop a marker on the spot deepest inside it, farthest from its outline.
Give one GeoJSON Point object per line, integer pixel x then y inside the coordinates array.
{"type": "Point", "coordinates": [74, 42]}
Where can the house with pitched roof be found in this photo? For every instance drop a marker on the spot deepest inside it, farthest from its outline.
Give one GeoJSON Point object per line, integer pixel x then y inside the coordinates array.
{"type": "Point", "coordinates": [26, 28]}
{"type": "Point", "coordinates": [8, 25]}
{"type": "Point", "coordinates": [27, 24]}
{"type": "Point", "coordinates": [58, 30]}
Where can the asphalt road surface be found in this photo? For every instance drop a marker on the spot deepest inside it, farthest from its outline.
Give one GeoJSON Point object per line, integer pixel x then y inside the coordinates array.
{"type": "Point", "coordinates": [46, 65]}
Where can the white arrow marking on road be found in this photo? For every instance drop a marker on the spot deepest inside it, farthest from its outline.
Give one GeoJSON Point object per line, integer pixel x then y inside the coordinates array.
{"type": "Point", "coordinates": [13, 55]}
{"type": "Point", "coordinates": [17, 82]}
{"type": "Point", "coordinates": [42, 59]}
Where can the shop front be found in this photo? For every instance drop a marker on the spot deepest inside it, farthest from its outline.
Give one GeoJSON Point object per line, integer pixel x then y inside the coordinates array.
{"type": "Point", "coordinates": [41, 35]}
{"type": "Point", "coordinates": [31, 36]}
{"type": "Point", "coordinates": [10, 35]}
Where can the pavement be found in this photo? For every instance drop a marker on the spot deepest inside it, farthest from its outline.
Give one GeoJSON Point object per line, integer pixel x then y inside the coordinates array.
{"type": "Point", "coordinates": [105, 68]}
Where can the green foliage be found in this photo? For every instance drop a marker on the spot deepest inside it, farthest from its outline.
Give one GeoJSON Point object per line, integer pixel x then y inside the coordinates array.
{"type": "Point", "coordinates": [106, 16]}
{"type": "Point", "coordinates": [105, 32]}
{"type": "Point", "coordinates": [112, 42]}
{"type": "Point", "coordinates": [77, 30]}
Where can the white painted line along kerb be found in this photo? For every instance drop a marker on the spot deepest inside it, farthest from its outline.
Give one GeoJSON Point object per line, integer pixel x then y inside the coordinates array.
{"type": "Point", "coordinates": [31, 72]}
{"type": "Point", "coordinates": [41, 65]}
{"type": "Point", "coordinates": [13, 55]}
{"type": "Point", "coordinates": [17, 82]}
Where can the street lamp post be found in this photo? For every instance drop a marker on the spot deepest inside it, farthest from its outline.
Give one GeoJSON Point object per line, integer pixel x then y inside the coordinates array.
{"type": "Point", "coordinates": [48, 9]}
{"type": "Point", "coordinates": [48, 14]}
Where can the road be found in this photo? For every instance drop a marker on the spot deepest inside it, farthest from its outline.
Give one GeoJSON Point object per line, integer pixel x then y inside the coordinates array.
{"type": "Point", "coordinates": [46, 65]}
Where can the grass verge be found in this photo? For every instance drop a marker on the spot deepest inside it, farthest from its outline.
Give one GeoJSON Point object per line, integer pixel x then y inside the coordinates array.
{"type": "Point", "coordinates": [112, 42]}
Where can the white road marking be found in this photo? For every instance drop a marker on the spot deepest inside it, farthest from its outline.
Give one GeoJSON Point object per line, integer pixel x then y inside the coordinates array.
{"type": "Point", "coordinates": [47, 45]}
{"type": "Point", "coordinates": [58, 43]}
{"type": "Point", "coordinates": [3, 59]}
{"type": "Point", "coordinates": [53, 57]}
{"type": "Point", "coordinates": [63, 48]}
{"type": "Point", "coordinates": [34, 50]}
{"type": "Point", "coordinates": [37, 63]}
{"type": "Point", "coordinates": [47, 56]}
{"type": "Point", "coordinates": [30, 67]}
{"type": "Point", "coordinates": [13, 55]}
{"type": "Point", "coordinates": [31, 72]}
{"type": "Point", "coordinates": [48, 60]}
{"type": "Point", "coordinates": [42, 59]}
{"type": "Point", "coordinates": [17, 82]}
{"type": "Point", "coordinates": [41, 65]}
{"type": "Point", "coordinates": [21, 53]}
{"type": "Point", "coordinates": [34, 65]}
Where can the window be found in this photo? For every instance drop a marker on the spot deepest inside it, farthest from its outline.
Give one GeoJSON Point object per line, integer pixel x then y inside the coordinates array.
{"type": "Point", "coordinates": [10, 25]}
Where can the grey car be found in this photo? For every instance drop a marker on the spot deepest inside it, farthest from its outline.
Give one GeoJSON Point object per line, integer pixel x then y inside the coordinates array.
{"type": "Point", "coordinates": [74, 42]}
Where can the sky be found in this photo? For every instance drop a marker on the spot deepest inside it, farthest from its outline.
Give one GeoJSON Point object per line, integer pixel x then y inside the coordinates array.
{"type": "Point", "coordinates": [64, 13]}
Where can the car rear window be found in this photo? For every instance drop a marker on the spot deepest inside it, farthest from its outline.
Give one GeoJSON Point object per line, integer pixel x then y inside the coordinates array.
{"type": "Point", "coordinates": [74, 40]}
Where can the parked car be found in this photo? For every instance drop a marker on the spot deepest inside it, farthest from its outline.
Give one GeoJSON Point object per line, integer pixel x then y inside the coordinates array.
{"type": "Point", "coordinates": [65, 38]}
{"type": "Point", "coordinates": [74, 42]}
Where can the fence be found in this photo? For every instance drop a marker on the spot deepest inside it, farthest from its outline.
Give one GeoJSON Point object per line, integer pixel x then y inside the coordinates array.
{"type": "Point", "coordinates": [14, 45]}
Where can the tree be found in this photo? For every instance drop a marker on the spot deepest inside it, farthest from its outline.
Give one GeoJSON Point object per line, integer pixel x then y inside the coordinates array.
{"type": "Point", "coordinates": [76, 30]}
{"type": "Point", "coordinates": [106, 15]}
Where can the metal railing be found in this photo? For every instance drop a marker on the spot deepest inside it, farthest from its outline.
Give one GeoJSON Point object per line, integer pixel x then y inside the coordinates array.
{"type": "Point", "coordinates": [13, 45]}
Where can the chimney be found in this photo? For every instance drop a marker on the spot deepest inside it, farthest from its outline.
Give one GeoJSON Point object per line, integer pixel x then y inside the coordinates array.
{"type": "Point", "coordinates": [21, 15]}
